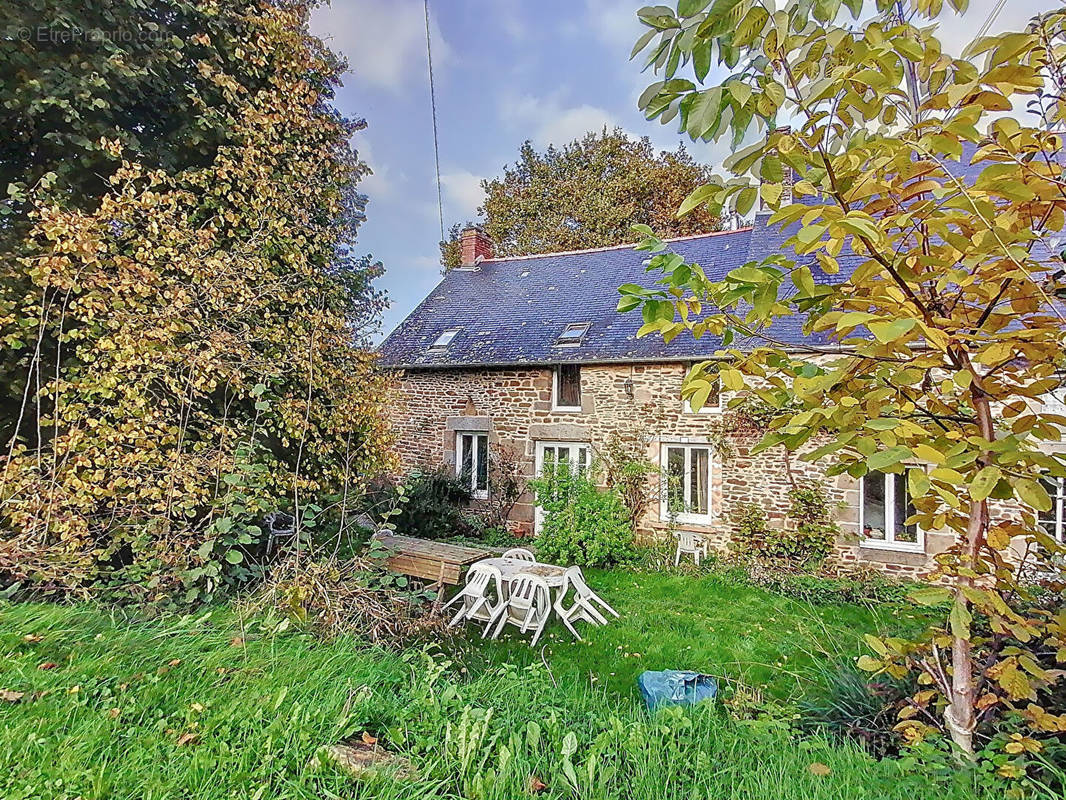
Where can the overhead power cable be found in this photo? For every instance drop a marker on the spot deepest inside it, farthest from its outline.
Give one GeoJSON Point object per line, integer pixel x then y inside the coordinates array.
{"type": "Point", "coordinates": [433, 109]}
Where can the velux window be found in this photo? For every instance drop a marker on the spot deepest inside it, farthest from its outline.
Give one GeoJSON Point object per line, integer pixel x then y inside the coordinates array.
{"type": "Point", "coordinates": [566, 391]}
{"type": "Point", "coordinates": [686, 495]}
{"type": "Point", "coordinates": [444, 339]}
{"type": "Point", "coordinates": [884, 506]}
{"type": "Point", "coordinates": [472, 462]}
{"type": "Point", "coordinates": [1052, 521]}
{"type": "Point", "coordinates": [573, 334]}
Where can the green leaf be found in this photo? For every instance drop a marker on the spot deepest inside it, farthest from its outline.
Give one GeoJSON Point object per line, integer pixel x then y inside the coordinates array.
{"type": "Point", "coordinates": [642, 42]}
{"type": "Point", "coordinates": [984, 482]}
{"type": "Point", "coordinates": [869, 664]}
{"type": "Point", "coordinates": [886, 332]}
{"type": "Point", "coordinates": [917, 482]}
{"type": "Point", "coordinates": [888, 458]}
{"type": "Point", "coordinates": [688, 8]}
{"type": "Point", "coordinates": [698, 197]}
{"type": "Point", "coordinates": [1032, 494]}
{"type": "Point", "coordinates": [960, 619]}
{"type": "Point", "coordinates": [930, 595]}
{"type": "Point", "coordinates": [234, 557]}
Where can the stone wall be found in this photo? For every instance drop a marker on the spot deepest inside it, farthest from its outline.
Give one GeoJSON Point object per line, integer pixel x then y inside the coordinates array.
{"type": "Point", "coordinates": [514, 406]}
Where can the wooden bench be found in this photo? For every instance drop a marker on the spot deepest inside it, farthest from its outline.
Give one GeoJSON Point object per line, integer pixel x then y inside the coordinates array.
{"type": "Point", "coordinates": [434, 561]}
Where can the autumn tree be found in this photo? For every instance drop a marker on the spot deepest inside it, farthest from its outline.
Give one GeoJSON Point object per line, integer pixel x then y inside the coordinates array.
{"type": "Point", "coordinates": [182, 309]}
{"type": "Point", "coordinates": [921, 237]}
{"type": "Point", "coordinates": [587, 193]}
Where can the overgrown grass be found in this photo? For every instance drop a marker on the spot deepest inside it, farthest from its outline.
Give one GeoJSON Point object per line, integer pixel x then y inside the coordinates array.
{"type": "Point", "coordinates": [210, 707]}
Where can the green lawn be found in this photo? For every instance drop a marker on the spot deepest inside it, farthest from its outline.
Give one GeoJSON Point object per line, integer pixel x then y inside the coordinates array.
{"type": "Point", "coordinates": [210, 707]}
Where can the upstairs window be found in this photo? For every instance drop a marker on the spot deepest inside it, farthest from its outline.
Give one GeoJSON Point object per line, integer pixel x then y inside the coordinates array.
{"type": "Point", "coordinates": [472, 462]}
{"type": "Point", "coordinates": [444, 339]}
{"type": "Point", "coordinates": [713, 404]}
{"type": "Point", "coordinates": [567, 388]}
{"type": "Point", "coordinates": [1052, 521]}
{"type": "Point", "coordinates": [573, 335]}
{"type": "Point", "coordinates": [884, 507]}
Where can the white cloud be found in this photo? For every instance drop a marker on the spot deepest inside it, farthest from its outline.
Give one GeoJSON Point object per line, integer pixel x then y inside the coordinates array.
{"type": "Point", "coordinates": [615, 23]}
{"type": "Point", "coordinates": [463, 194]}
{"type": "Point", "coordinates": [547, 120]}
{"type": "Point", "coordinates": [383, 40]}
{"type": "Point", "coordinates": [382, 182]}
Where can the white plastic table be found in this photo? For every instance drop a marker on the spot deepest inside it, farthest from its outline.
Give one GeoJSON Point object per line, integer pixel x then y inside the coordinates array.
{"type": "Point", "coordinates": [510, 567]}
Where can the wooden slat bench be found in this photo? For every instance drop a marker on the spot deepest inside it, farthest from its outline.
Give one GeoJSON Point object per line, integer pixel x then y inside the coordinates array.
{"type": "Point", "coordinates": [434, 561]}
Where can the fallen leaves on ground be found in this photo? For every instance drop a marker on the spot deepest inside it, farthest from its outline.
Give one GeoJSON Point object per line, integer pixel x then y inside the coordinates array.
{"type": "Point", "coordinates": [188, 738]}
{"type": "Point", "coordinates": [236, 641]}
{"type": "Point", "coordinates": [9, 696]}
{"type": "Point", "coordinates": [47, 665]}
{"type": "Point", "coordinates": [32, 638]}
{"type": "Point", "coordinates": [536, 785]}
{"type": "Point", "coordinates": [368, 739]}
{"type": "Point", "coordinates": [820, 769]}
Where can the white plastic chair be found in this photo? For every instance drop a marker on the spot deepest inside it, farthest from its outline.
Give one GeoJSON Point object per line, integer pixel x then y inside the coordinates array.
{"type": "Point", "coordinates": [691, 543]}
{"type": "Point", "coordinates": [583, 607]}
{"type": "Point", "coordinates": [520, 554]}
{"type": "Point", "coordinates": [528, 606]}
{"type": "Point", "coordinates": [479, 602]}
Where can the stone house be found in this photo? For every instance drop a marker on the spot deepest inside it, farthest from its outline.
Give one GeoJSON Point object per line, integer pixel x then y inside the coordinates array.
{"type": "Point", "coordinates": [527, 358]}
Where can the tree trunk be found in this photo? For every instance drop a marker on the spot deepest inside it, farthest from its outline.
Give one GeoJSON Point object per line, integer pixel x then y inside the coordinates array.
{"type": "Point", "coordinates": [960, 717]}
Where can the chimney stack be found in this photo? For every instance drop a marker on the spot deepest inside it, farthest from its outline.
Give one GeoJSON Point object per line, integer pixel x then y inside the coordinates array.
{"type": "Point", "coordinates": [475, 246]}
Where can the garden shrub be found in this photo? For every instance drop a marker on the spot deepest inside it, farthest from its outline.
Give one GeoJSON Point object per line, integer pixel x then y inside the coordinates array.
{"type": "Point", "coordinates": [808, 539]}
{"type": "Point", "coordinates": [582, 524]}
{"type": "Point", "coordinates": [431, 505]}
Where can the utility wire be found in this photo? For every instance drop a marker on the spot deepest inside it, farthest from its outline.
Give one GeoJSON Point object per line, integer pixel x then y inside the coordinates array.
{"type": "Point", "coordinates": [433, 107]}
{"type": "Point", "coordinates": [990, 19]}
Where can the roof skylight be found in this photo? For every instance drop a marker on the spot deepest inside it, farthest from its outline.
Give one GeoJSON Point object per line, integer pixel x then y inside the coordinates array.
{"type": "Point", "coordinates": [573, 334]}
{"type": "Point", "coordinates": [445, 339]}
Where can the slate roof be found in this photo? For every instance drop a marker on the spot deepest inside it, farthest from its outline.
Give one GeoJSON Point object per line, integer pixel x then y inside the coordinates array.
{"type": "Point", "coordinates": [511, 311]}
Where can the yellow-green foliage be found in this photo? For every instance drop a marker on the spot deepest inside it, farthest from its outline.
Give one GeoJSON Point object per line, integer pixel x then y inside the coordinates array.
{"type": "Point", "coordinates": [184, 314]}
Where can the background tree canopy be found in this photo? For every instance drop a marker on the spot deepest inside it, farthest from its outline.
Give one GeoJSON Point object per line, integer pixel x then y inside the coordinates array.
{"type": "Point", "coordinates": [181, 310]}
{"type": "Point", "coordinates": [588, 193]}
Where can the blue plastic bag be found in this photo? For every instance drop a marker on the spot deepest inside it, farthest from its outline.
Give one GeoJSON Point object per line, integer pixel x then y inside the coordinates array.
{"type": "Point", "coordinates": [672, 687]}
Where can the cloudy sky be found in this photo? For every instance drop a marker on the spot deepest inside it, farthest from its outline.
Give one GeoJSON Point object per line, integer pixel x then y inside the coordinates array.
{"type": "Point", "coordinates": [505, 71]}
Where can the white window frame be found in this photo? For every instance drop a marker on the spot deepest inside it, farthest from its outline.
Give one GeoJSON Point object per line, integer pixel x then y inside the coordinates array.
{"type": "Point", "coordinates": [477, 494]}
{"type": "Point", "coordinates": [686, 489]}
{"type": "Point", "coordinates": [556, 372]}
{"type": "Point", "coordinates": [1058, 505]}
{"type": "Point", "coordinates": [891, 523]}
{"type": "Point", "coordinates": [707, 408]}
{"type": "Point", "coordinates": [538, 512]}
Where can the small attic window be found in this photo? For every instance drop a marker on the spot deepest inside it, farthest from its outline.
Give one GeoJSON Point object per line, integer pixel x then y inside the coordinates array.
{"type": "Point", "coordinates": [573, 334]}
{"type": "Point", "coordinates": [444, 339]}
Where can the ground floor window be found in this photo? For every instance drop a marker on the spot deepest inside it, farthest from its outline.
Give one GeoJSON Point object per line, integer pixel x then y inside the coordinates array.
{"type": "Point", "coordinates": [686, 494]}
{"type": "Point", "coordinates": [884, 506]}
{"type": "Point", "coordinates": [573, 456]}
{"type": "Point", "coordinates": [1052, 521]}
{"type": "Point", "coordinates": [472, 462]}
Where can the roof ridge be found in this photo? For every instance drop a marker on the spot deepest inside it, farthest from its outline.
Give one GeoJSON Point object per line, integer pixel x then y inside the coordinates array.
{"type": "Point", "coordinates": [629, 245]}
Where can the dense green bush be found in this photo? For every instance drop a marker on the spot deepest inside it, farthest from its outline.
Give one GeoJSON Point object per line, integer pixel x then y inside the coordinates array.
{"type": "Point", "coordinates": [807, 539]}
{"type": "Point", "coordinates": [582, 524]}
{"type": "Point", "coordinates": [431, 505]}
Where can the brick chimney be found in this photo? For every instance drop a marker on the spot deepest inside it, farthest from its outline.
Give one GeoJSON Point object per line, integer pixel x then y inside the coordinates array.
{"type": "Point", "coordinates": [475, 246]}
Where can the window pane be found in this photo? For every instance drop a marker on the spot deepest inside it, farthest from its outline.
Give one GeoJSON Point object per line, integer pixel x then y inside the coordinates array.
{"type": "Point", "coordinates": [466, 456]}
{"type": "Point", "coordinates": [904, 509]}
{"type": "Point", "coordinates": [569, 385]}
{"type": "Point", "coordinates": [873, 506]}
{"type": "Point", "coordinates": [1046, 519]}
{"type": "Point", "coordinates": [698, 485]}
{"type": "Point", "coordinates": [582, 460]}
{"type": "Point", "coordinates": [482, 463]}
{"type": "Point", "coordinates": [675, 479]}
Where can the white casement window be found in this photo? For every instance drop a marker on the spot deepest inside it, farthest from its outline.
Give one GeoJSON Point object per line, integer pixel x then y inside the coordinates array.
{"type": "Point", "coordinates": [556, 455]}
{"type": "Point", "coordinates": [686, 491]}
{"type": "Point", "coordinates": [1053, 521]}
{"type": "Point", "coordinates": [472, 462]}
{"type": "Point", "coordinates": [884, 507]}
{"type": "Point", "coordinates": [566, 388]}
{"type": "Point", "coordinates": [714, 400]}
